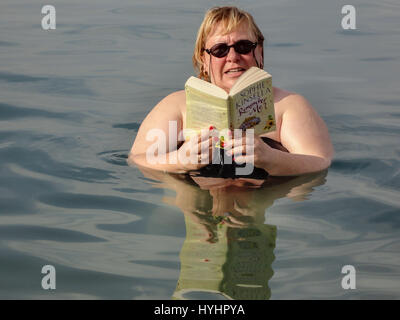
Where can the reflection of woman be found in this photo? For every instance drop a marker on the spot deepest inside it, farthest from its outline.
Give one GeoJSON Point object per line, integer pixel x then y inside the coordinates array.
{"type": "Point", "coordinates": [228, 43]}
{"type": "Point", "coordinates": [228, 248]}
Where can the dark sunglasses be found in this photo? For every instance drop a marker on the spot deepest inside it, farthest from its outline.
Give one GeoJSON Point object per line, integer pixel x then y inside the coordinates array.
{"type": "Point", "coordinates": [221, 49]}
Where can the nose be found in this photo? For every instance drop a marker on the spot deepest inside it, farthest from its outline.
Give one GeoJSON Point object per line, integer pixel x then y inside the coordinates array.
{"type": "Point", "coordinates": [232, 55]}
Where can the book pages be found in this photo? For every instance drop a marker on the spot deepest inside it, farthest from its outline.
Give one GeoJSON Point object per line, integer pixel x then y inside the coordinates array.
{"type": "Point", "coordinates": [203, 109]}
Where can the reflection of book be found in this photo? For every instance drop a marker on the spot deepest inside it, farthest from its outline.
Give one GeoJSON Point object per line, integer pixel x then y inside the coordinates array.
{"type": "Point", "coordinates": [235, 264]}
{"type": "Point", "coordinates": [249, 103]}
{"type": "Point", "coordinates": [248, 264]}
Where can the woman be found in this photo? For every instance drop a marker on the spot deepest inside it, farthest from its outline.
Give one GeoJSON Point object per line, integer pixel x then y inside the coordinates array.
{"type": "Point", "coordinates": [223, 52]}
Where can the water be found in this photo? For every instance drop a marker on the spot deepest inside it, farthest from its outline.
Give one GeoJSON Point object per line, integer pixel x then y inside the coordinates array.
{"type": "Point", "coordinates": [73, 98]}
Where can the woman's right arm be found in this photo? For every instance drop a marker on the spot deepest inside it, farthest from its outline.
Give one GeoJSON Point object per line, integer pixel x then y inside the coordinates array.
{"type": "Point", "coordinates": [156, 143]}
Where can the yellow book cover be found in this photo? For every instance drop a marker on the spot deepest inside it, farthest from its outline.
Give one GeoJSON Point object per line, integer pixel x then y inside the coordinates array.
{"type": "Point", "coordinates": [248, 105]}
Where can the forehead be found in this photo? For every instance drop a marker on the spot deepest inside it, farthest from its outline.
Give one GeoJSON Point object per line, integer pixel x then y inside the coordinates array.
{"type": "Point", "coordinates": [219, 34]}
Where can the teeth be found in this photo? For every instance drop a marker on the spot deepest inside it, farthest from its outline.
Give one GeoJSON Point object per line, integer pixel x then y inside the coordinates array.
{"type": "Point", "coordinates": [235, 70]}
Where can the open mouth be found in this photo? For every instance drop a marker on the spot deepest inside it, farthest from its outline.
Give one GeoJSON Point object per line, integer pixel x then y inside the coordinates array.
{"type": "Point", "coordinates": [235, 70]}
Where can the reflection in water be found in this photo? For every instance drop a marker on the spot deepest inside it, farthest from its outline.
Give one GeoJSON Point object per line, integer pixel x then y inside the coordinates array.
{"type": "Point", "coordinates": [229, 248]}
{"type": "Point", "coordinates": [235, 261]}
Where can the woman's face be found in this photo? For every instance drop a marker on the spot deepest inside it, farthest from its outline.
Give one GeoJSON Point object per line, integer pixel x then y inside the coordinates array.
{"type": "Point", "coordinates": [226, 70]}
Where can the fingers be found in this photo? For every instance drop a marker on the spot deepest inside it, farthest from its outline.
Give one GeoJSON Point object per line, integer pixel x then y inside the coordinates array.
{"type": "Point", "coordinates": [205, 151]}
{"type": "Point", "coordinates": [239, 140]}
{"type": "Point", "coordinates": [237, 151]}
{"type": "Point", "coordinates": [233, 222]}
{"type": "Point", "coordinates": [240, 150]}
{"type": "Point", "coordinates": [200, 147]}
{"type": "Point", "coordinates": [240, 145]}
{"type": "Point", "coordinates": [204, 134]}
{"type": "Point", "coordinates": [240, 159]}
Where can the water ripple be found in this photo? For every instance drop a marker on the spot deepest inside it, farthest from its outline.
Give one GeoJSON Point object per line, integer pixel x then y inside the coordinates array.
{"type": "Point", "coordinates": [51, 84]}
{"type": "Point", "coordinates": [8, 44]}
{"type": "Point", "coordinates": [130, 125]}
{"type": "Point", "coordinates": [368, 168]}
{"type": "Point", "coordinates": [356, 32]}
{"type": "Point", "coordinates": [99, 202]}
{"type": "Point", "coordinates": [147, 32]}
{"type": "Point", "coordinates": [373, 59]}
{"type": "Point", "coordinates": [42, 162]}
{"type": "Point", "coordinates": [26, 232]}
{"type": "Point", "coordinates": [285, 44]}
{"type": "Point", "coordinates": [8, 111]}
{"type": "Point", "coordinates": [115, 157]}
{"type": "Point", "coordinates": [159, 263]}
{"type": "Point", "coordinates": [14, 187]}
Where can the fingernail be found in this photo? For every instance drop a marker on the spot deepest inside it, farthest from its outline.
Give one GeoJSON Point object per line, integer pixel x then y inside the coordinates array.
{"type": "Point", "coordinates": [211, 128]}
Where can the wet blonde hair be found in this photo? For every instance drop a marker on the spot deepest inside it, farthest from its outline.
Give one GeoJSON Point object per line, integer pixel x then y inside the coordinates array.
{"type": "Point", "coordinates": [231, 18]}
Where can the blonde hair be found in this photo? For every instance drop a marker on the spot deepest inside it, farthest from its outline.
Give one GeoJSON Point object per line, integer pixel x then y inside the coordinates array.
{"type": "Point", "coordinates": [231, 18]}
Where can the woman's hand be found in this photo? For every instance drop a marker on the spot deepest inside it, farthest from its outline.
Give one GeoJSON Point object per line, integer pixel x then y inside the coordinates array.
{"type": "Point", "coordinates": [247, 148]}
{"type": "Point", "coordinates": [196, 152]}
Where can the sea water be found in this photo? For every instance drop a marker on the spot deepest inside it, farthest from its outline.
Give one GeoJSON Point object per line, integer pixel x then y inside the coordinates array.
{"type": "Point", "coordinates": [72, 100]}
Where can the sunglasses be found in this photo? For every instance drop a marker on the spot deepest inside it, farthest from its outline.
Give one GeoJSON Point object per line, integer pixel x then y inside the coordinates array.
{"type": "Point", "coordinates": [221, 49]}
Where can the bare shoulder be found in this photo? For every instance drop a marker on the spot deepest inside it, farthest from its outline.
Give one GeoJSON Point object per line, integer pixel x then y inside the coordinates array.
{"type": "Point", "coordinates": [172, 102]}
{"type": "Point", "coordinates": [293, 108]}
{"type": "Point", "coordinates": [280, 94]}
{"type": "Point", "coordinates": [302, 130]}
{"type": "Point", "coordinates": [176, 96]}
{"type": "Point", "coordinates": [291, 105]}
{"type": "Point", "coordinates": [168, 109]}
{"type": "Point", "coordinates": [285, 99]}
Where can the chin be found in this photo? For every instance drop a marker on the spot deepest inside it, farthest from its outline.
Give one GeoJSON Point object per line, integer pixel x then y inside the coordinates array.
{"type": "Point", "coordinates": [226, 87]}
{"type": "Point", "coordinates": [229, 84]}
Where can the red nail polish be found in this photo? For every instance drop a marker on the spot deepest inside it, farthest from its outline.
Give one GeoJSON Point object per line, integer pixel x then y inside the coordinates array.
{"type": "Point", "coordinates": [211, 128]}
